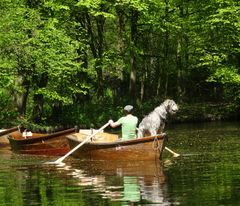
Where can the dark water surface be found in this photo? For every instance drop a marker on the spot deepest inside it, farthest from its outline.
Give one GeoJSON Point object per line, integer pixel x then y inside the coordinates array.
{"type": "Point", "coordinates": [206, 173]}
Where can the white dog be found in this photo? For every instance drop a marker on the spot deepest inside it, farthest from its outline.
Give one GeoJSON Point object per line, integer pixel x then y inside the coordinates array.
{"type": "Point", "coordinates": [154, 122]}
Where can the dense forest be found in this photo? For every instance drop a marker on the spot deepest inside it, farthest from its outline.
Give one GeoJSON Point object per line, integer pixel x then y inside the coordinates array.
{"type": "Point", "coordinates": [79, 62]}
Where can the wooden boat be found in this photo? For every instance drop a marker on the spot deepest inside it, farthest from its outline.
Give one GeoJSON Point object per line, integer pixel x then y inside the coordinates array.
{"type": "Point", "coordinates": [4, 143]}
{"type": "Point", "coordinates": [54, 144]}
{"type": "Point", "coordinates": [106, 146]}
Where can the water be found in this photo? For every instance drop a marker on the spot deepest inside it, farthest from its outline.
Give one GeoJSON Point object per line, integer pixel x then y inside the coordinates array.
{"type": "Point", "coordinates": [206, 173]}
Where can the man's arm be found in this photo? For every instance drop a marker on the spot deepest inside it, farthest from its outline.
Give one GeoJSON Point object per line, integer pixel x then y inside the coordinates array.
{"type": "Point", "coordinates": [113, 124]}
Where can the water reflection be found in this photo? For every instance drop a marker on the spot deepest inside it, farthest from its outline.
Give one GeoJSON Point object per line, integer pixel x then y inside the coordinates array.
{"type": "Point", "coordinates": [206, 173]}
{"type": "Point", "coordinates": [127, 182]}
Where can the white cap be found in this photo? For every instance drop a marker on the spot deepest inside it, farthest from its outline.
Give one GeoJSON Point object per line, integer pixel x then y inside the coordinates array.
{"type": "Point", "coordinates": [128, 108]}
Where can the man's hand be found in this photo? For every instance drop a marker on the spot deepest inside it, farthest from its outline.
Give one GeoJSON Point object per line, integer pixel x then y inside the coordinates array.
{"type": "Point", "coordinates": [110, 121]}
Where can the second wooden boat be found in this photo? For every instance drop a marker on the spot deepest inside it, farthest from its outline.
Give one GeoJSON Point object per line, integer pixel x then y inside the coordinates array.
{"type": "Point", "coordinates": [54, 144]}
{"type": "Point", "coordinates": [106, 146]}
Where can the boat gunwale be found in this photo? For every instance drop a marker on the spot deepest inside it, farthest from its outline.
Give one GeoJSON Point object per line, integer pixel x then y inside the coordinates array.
{"type": "Point", "coordinates": [119, 141]}
{"type": "Point", "coordinates": [7, 131]}
{"type": "Point", "coordinates": [32, 139]}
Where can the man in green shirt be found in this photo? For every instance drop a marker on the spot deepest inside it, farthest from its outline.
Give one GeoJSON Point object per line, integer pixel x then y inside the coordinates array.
{"type": "Point", "coordinates": [128, 123]}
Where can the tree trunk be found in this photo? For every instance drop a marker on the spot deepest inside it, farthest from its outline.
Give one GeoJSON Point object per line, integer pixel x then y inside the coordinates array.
{"type": "Point", "coordinates": [182, 58]}
{"type": "Point", "coordinates": [21, 98]}
{"type": "Point", "coordinates": [143, 79]}
{"type": "Point", "coordinates": [100, 30]}
{"type": "Point", "coordinates": [179, 72]}
{"type": "Point", "coordinates": [159, 77]}
{"type": "Point", "coordinates": [133, 56]}
{"type": "Point", "coordinates": [38, 100]}
{"type": "Point", "coordinates": [96, 45]}
{"type": "Point", "coordinates": [166, 50]}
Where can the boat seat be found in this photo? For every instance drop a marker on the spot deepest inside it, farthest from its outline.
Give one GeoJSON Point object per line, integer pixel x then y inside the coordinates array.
{"type": "Point", "coordinates": [100, 137]}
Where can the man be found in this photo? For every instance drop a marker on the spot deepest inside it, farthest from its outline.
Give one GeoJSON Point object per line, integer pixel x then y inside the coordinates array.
{"type": "Point", "coordinates": [128, 123]}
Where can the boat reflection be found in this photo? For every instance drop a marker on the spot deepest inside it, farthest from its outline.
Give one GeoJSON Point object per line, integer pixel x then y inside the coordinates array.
{"type": "Point", "coordinates": [130, 183]}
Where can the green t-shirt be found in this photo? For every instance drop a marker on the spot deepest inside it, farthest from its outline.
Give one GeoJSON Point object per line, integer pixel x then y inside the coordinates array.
{"type": "Point", "coordinates": [129, 125]}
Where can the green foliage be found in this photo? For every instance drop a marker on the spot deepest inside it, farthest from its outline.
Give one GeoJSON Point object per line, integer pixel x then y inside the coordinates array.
{"type": "Point", "coordinates": [226, 75]}
{"type": "Point", "coordinates": [8, 114]}
{"type": "Point", "coordinates": [70, 58]}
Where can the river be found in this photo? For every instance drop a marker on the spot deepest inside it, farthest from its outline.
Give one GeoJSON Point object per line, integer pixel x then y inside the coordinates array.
{"type": "Point", "coordinates": [207, 172]}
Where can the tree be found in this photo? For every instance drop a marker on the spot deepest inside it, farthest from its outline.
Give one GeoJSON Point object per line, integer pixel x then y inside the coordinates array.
{"type": "Point", "coordinates": [41, 57]}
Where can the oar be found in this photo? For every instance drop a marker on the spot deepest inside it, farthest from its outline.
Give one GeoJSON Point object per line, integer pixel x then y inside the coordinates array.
{"type": "Point", "coordinates": [58, 161]}
{"type": "Point", "coordinates": [174, 153]}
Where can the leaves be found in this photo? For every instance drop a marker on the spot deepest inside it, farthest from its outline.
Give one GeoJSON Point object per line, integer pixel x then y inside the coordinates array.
{"type": "Point", "coordinates": [226, 75]}
{"type": "Point", "coordinates": [68, 51]}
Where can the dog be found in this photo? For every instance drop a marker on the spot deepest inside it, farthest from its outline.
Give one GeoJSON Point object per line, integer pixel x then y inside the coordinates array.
{"type": "Point", "coordinates": [154, 122]}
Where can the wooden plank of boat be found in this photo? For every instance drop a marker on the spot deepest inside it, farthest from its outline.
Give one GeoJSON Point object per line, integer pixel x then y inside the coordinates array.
{"type": "Point", "coordinates": [7, 131]}
{"type": "Point", "coordinates": [4, 143]}
{"type": "Point", "coordinates": [106, 146]}
{"type": "Point", "coordinates": [54, 144]}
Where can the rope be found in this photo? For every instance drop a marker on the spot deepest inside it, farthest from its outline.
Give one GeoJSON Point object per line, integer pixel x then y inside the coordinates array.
{"type": "Point", "coordinates": [156, 145]}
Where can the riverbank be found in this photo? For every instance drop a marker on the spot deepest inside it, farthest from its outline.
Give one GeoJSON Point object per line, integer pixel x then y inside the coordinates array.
{"type": "Point", "coordinates": [93, 116]}
{"type": "Point", "coordinates": [206, 112]}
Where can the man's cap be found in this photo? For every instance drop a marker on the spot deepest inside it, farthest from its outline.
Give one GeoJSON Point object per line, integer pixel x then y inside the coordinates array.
{"type": "Point", "coordinates": [128, 108]}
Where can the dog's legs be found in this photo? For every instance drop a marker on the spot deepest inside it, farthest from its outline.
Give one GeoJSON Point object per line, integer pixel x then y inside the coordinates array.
{"type": "Point", "coordinates": [153, 132]}
{"type": "Point", "coordinates": [161, 128]}
{"type": "Point", "coordinates": [140, 132]}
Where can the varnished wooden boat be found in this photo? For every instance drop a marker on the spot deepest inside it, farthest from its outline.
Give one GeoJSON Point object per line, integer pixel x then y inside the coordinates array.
{"type": "Point", "coordinates": [54, 144]}
{"type": "Point", "coordinates": [106, 146]}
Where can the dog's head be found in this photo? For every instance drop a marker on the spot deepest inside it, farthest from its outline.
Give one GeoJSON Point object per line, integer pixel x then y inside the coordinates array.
{"type": "Point", "coordinates": [171, 106]}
